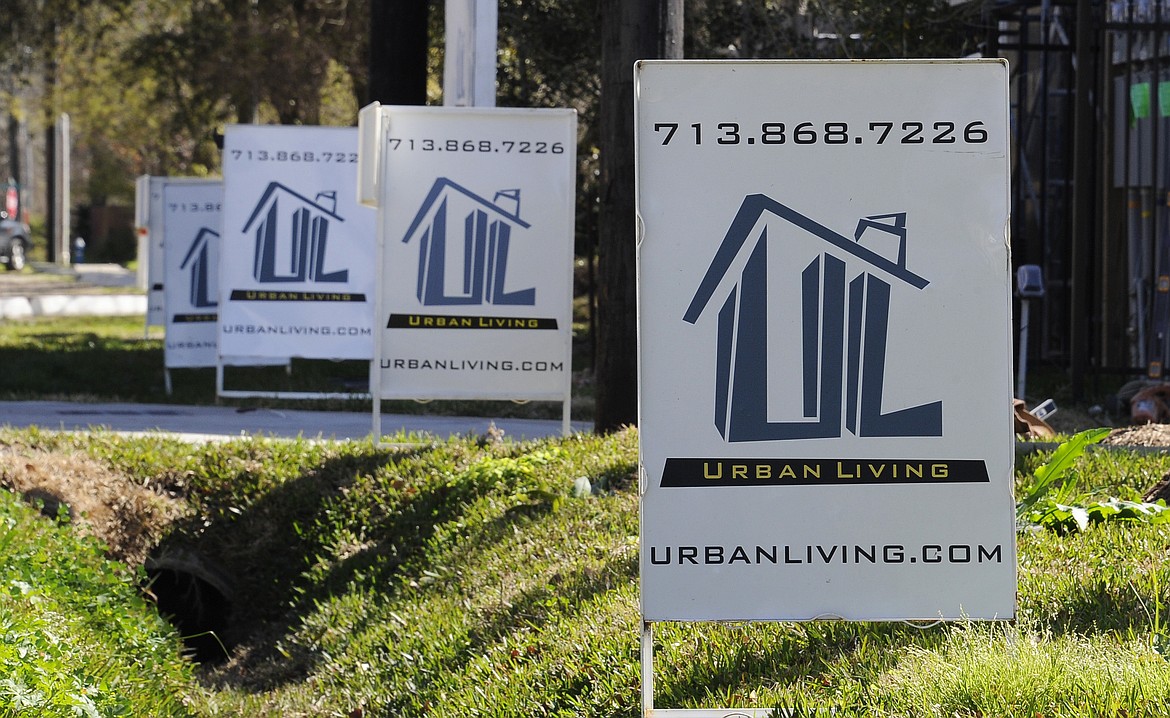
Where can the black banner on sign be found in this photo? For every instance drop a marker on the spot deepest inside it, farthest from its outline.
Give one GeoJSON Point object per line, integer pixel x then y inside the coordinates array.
{"type": "Point", "coordinates": [264, 295]}
{"type": "Point", "coordinates": [454, 321]}
{"type": "Point", "coordinates": [680, 473]}
{"type": "Point", "coordinates": [193, 318]}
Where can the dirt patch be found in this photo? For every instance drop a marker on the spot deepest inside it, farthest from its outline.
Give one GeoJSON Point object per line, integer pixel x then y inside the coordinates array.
{"type": "Point", "coordinates": [128, 517]}
{"type": "Point", "coordinates": [1143, 435]}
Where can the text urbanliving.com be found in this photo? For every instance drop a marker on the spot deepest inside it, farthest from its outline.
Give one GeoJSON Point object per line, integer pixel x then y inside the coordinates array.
{"type": "Point", "coordinates": [473, 365]}
{"type": "Point", "coordinates": [777, 554]}
{"type": "Point", "coordinates": [293, 330]}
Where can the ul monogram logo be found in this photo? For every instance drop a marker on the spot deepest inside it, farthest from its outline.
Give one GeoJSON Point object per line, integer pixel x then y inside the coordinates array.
{"type": "Point", "coordinates": [844, 313]}
{"type": "Point", "coordinates": [467, 267]}
{"type": "Point", "coordinates": [292, 236]}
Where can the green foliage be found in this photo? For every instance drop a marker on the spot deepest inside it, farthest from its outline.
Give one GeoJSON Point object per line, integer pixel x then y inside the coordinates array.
{"type": "Point", "coordinates": [1055, 474]}
{"type": "Point", "coordinates": [1050, 501]}
{"type": "Point", "coordinates": [109, 358]}
{"type": "Point", "coordinates": [76, 639]}
{"type": "Point", "coordinates": [908, 29]}
{"type": "Point", "coordinates": [1065, 518]}
{"type": "Point", "coordinates": [831, 29]}
{"type": "Point", "coordinates": [78, 356]}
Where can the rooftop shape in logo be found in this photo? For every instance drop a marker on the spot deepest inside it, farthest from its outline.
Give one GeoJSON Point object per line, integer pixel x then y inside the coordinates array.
{"type": "Point", "coordinates": [443, 184]}
{"type": "Point", "coordinates": [754, 207]}
{"type": "Point", "coordinates": [203, 237]}
{"type": "Point", "coordinates": [273, 187]}
{"type": "Point", "coordinates": [888, 238]}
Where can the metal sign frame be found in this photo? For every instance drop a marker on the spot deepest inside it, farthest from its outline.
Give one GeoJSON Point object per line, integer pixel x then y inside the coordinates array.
{"type": "Point", "coordinates": [822, 246]}
{"type": "Point", "coordinates": [148, 217]}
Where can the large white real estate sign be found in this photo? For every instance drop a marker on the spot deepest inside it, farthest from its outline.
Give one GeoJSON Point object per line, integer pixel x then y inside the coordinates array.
{"type": "Point", "coordinates": [191, 225]}
{"type": "Point", "coordinates": [825, 342]}
{"type": "Point", "coordinates": [476, 210]}
{"type": "Point", "coordinates": [297, 251]}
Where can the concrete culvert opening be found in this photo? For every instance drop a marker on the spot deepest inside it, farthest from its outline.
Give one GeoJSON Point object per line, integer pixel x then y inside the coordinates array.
{"type": "Point", "coordinates": [198, 602]}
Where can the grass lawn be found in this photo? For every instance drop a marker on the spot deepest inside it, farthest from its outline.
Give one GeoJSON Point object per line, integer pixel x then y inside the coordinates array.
{"type": "Point", "coordinates": [479, 576]}
{"type": "Point", "coordinates": [474, 577]}
{"type": "Point", "coordinates": [115, 359]}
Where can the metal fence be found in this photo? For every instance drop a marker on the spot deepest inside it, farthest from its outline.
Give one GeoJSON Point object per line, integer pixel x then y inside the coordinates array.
{"type": "Point", "coordinates": [1091, 179]}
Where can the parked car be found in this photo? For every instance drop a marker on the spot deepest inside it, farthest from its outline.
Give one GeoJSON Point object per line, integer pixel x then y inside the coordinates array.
{"type": "Point", "coordinates": [13, 242]}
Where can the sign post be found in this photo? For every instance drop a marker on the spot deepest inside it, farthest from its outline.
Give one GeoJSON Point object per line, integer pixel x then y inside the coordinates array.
{"type": "Point", "coordinates": [148, 222]}
{"type": "Point", "coordinates": [475, 227]}
{"type": "Point", "coordinates": [825, 354]}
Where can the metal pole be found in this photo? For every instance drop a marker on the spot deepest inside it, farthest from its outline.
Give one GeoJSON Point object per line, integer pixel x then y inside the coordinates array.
{"type": "Point", "coordinates": [469, 66]}
{"type": "Point", "coordinates": [1021, 376]}
{"type": "Point", "coordinates": [66, 201]}
{"type": "Point", "coordinates": [647, 668]}
{"type": "Point", "coordinates": [1083, 200]}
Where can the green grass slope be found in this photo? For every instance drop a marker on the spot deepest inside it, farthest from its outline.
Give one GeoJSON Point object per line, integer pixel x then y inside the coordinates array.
{"type": "Point", "coordinates": [76, 637]}
{"type": "Point", "coordinates": [475, 577]}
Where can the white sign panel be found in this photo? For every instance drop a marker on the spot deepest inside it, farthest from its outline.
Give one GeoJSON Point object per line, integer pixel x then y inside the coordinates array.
{"type": "Point", "coordinates": [297, 253]}
{"type": "Point", "coordinates": [477, 212]}
{"type": "Point", "coordinates": [825, 341]}
{"type": "Point", "coordinates": [191, 225]}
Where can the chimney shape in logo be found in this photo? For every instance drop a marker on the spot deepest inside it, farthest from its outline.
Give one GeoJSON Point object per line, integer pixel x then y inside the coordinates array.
{"type": "Point", "coordinates": [843, 327]}
{"type": "Point", "coordinates": [894, 233]}
{"type": "Point", "coordinates": [327, 200]}
{"type": "Point", "coordinates": [306, 235]}
{"type": "Point", "coordinates": [487, 232]}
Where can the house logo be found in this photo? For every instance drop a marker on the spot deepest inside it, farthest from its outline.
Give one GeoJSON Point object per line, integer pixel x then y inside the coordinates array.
{"type": "Point", "coordinates": [200, 263]}
{"type": "Point", "coordinates": [844, 308]}
{"type": "Point", "coordinates": [292, 236]}
{"type": "Point", "coordinates": [474, 271]}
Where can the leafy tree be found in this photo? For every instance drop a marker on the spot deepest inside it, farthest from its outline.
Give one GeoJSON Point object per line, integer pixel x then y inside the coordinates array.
{"type": "Point", "coordinates": [548, 57]}
{"type": "Point", "coordinates": [239, 59]}
{"type": "Point", "coordinates": [118, 131]}
{"type": "Point", "coordinates": [739, 29]}
{"type": "Point", "coordinates": [832, 28]}
{"type": "Point", "coordinates": [905, 29]}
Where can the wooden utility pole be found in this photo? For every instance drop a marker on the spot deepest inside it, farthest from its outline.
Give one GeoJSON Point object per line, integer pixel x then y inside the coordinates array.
{"type": "Point", "coordinates": [630, 30]}
{"type": "Point", "coordinates": [398, 52]}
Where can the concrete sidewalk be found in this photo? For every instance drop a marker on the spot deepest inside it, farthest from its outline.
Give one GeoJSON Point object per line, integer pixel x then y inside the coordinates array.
{"type": "Point", "coordinates": [211, 423]}
{"type": "Point", "coordinates": [78, 290]}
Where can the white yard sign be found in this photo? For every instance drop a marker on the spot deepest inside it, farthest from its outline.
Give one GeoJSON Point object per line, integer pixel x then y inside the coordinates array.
{"type": "Point", "coordinates": [825, 341]}
{"type": "Point", "coordinates": [191, 225]}
{"type": "Point", "coordinates": [476, 210]}
{"type": "Point", "coordinates": [297, 252]}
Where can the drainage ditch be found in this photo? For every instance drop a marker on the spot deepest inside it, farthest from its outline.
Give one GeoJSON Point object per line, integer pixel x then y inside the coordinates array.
{"type": "Point", "coordinates": [198, 600]}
